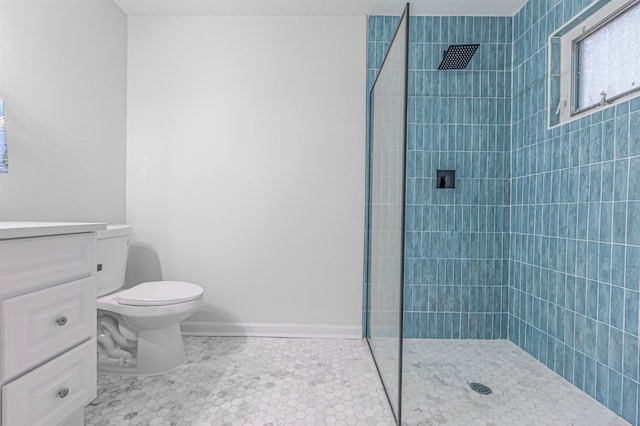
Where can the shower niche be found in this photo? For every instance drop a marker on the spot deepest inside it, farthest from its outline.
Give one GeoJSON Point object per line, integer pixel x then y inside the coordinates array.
{"type": "Point", "coordinates": [446, 179]}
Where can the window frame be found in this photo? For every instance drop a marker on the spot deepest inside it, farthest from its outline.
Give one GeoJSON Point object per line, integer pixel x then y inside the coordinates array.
{"type": "Point", "coordinates": [564, 107]}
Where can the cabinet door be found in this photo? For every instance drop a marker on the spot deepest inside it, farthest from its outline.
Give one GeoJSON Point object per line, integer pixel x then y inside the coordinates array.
{"type": "Point", "coordinates": [52, 392]}
{"type": "Point", "coordinates": [37, 326]}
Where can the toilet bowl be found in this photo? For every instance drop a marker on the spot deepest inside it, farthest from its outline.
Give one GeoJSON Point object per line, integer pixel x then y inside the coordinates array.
{"type": "Point", "coordinates": [139, 327]}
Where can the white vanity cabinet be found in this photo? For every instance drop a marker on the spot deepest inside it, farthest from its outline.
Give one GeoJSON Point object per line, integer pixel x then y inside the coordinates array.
{"type": "Point", "coordinates": [47, 322]}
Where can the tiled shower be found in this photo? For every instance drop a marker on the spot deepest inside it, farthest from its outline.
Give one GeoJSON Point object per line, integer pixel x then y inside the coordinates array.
{"type": "Point", "coordinates": [539, 242]}
{"type": "Point", "coordinates": [457, 239]}
{"type": "Point", "coordinates": [575, 227]}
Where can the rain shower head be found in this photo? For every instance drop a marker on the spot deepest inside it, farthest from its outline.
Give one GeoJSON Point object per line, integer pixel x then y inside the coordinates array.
{"type": "Point", "coordinates": [457, 56]}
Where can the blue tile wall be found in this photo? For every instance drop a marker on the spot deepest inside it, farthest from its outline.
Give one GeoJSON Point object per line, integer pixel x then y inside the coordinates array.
{"type": "Point", "coordinates": [456, 240]}
{"type": "Point", "coordinates": [575, 226]}
{"type": "Point", "coordinates": [543, 228]}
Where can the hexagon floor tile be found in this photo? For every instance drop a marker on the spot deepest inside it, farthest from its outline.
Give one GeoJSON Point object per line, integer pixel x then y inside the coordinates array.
{"type": "Point", "coordinates": [251, 381]}
{"type": "Point", "coordinates": [271, 381]}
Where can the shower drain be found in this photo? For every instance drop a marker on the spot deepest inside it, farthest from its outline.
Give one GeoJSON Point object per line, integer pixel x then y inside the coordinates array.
{"type": "Point", "coordinates": [480, 388]}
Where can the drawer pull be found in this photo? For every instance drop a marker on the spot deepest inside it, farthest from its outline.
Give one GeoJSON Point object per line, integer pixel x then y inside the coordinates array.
{"type": "Point", "coordinates": [62, 321]}
{"type": "Point", "coordinates": [62, 393]}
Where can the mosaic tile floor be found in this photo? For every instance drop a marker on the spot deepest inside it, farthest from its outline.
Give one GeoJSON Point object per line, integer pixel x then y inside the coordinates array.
{"type": "Point", "coordinates": [251, 381]}
{"type": "Point", "coordinates": [525, 392]}
{"type": "Point", "coordinates": [264, 381]}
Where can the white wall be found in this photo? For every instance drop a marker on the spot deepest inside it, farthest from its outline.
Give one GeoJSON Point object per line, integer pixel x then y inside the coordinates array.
{"type": "Point", "coordinates": [246, 149]}
{"type": "Point", "coordinates": [63, 80]}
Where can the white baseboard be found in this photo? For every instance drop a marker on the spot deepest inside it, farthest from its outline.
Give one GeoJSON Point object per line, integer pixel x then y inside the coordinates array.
{"type": "Point", "coordinates": [205, 328]}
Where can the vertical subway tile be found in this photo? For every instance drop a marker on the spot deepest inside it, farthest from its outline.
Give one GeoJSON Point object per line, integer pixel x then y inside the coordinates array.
{"type": "Point", "coordinates": [605, 226]}
{"type": "Point", "coordinates": [621, 180]}
{"type": "Point", "coordinates": [580, 296]}
{"type": "Point", "coordinates": [559, 359]}
{"type": "Point", "coordinates": [602, 343]}
{"type": "Point", "coordinates": [631, 302]}
{"type": "Point", "coordinates": [615, 392]}
{"type": "Point", "coordinates": [590, 376]}
{"type": "Point", "coordinates": [604, 262]}
{"type": "Point", "coordinates": [633, 223]}
{"type": "Point", "coordinates": [592, 299]}
{"type": "Point", "coordinates": [630, 356]}
{"type": "Point", "coordinates": [608, 140]}
{"type": "Point", "coordinates": [622, 136]}
{"type": "Point", "coordinates": [619, 222]}
{"type": "Point", "coordinates": [578, 368]}
{"type": "Point", "coordinates": [615, 349]}
{"type": "Point", "coordinates": [595, 153]}
{"type": "Point", "coordinates": [634, 179]}
{"type": "Point", "coordinates": [629, 397]}
{"type": "Point", "coordinates": [618, 254]}
{"type": "Point", "coordinates": [632, 268]}
{"type": "Point", "coordinates": [617, 306]}
{"type": "Point", "coordinates": [608, 174]}
{"type": "Point", "coordinates": [568, 363]}
{"type": "Point", "coordinates": [608, 114]}
{"type": "Point", "coordinates": [602, 383]}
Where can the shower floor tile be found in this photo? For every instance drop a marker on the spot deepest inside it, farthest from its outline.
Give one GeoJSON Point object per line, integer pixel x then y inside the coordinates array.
{"type": "Point", "coordinates": [251, 381]}
{"type": "Point", "coordinates": [525, 392]}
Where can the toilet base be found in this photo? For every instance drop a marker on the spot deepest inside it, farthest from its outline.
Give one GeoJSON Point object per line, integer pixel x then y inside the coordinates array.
{"type": "Point", "coordinates": [158, 351]}
{"type": "Point", "coordinates": [141, 340]}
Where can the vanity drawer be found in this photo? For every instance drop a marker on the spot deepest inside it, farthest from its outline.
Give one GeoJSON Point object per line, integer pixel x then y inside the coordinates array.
{"type": "Point", "coordinates": [40, 325]}
{"type": "Point", "coordinates": [32, 263]}
{"type": "Point", "coordinates": [52, 392]}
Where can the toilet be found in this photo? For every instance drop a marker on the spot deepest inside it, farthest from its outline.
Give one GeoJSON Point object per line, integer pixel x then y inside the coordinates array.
{"type": "Point", "coordinates": [139, 327]}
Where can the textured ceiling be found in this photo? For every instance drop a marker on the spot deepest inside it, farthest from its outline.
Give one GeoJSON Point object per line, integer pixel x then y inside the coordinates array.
{"type": "Point", "coordinates": [319, 7]}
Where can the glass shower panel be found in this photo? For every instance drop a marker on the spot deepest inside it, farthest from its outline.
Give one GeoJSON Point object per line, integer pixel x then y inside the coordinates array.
{"type": "Point", "coordinates": [386, 232]}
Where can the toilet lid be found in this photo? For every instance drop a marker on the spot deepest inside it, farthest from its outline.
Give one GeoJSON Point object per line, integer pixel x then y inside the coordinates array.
{"type": "Point", "coordinates": [155, 293]}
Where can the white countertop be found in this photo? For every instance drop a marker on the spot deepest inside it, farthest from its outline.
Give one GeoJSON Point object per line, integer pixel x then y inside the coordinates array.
{"type": "Point", "coordinates": [40, 229]}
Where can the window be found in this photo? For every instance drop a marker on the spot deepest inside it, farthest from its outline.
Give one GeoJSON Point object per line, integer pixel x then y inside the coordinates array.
{"type": "Point", "coordinates": [594, 59]}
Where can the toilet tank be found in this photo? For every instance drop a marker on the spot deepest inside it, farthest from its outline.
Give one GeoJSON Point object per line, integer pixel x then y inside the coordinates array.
{"type": "Point", "coordinates": [111, 254]}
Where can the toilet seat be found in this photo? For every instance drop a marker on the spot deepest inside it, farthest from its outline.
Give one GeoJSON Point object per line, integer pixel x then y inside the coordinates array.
{"type": "Point", "coordinates": [159, 293]}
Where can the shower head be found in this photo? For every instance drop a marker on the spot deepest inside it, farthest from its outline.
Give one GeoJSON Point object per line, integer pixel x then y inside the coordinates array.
{"type": "Point", "coordinates": [457, 56]}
